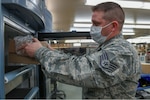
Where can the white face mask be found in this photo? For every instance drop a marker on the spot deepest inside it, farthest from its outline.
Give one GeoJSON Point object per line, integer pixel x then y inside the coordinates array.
{"type": "Point", "coordinates": [96, 34]}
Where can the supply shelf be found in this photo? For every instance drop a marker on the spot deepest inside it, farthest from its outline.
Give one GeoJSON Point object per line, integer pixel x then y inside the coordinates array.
{"type": "Point", "coordinates": [24, 93]}
{"type": "Point", "coordinates": [16, 77]}
{"type": "Point", "coordinates": [20, 18]}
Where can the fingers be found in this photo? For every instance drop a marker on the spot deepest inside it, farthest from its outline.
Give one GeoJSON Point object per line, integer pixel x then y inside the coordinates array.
{"type": "Point", "coordinates": [35, 40]}
{"type": "Point", "coordinates": [48, 46]}
{"type": "Point", "coordinates": [22, 46]}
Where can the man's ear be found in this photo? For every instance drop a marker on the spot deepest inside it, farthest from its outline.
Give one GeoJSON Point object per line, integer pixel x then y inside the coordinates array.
{"type": "Point", "coordinates": [114, 30]}
{"type": "Point", "coordinates": [115, 26]}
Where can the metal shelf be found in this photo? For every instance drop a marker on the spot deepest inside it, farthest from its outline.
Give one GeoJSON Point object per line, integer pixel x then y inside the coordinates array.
{"type": "Point", "coordinates": [62, 35]}
{"type": "Point", "coordinates": [23, 93]}
{"type": "Point", "coordinates": [16, 77]}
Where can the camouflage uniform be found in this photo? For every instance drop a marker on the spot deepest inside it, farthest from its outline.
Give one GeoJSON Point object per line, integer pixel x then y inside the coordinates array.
{"type": "Point", "coordinates": [112, 71]}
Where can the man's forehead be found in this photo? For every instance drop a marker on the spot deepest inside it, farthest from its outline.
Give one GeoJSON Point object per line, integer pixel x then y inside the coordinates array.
{"type": "Point", "coordinates": [97, 17]}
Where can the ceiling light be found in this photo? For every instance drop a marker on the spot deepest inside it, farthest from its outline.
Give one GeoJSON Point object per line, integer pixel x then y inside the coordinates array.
{"type": "Point", "coordinates": [138, 40]}
{"type": "Point", "coordinates": [128, 26]}
{"type": "Point", "coordinates": [128, 33]}
{"type": "Point", "coordinates": [134, 40]}
{"type": "Point", "coordinates": [80, 41]}
{"type": "Point", "coordinates": [147, 26]}
{"type": "Point", "coordinates": [146, 22]}
{"type": "Point", "coordinates": [144, 39]}
{"type": "Point", "coordinates": [77, 44]}
{"type": "Point", "coordinates": [129, 21]}
{"type": "Point", "coordinates": [130, 30]}
{"type": "Point", "coordinates": [81, 25]}
{"type": "Point", "coordinates": [87, 40]}
{"type": "Point", "coordinates": [80, 29]}
{"type": "Point", "coordinates": [146, 5]}
{"type": "Point", "coordinates": [83, 20]}
{"type": "Point", "coordinates": [55, 42]}
{"type": "Point", "coordinates": [124, 4]}
{"type": "Point", "coordinates": [137, 26]}
{"type": "Point", "coordinates": [142, 26]}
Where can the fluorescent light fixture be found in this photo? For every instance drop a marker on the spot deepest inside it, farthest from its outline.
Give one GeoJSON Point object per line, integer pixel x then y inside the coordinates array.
{"type": "Point", "coordinates": [87, 41]}
{"type": "Point", "coordinates": [124, 4]}
{"type": "Point", "coordinates": [138, 40]}
{"type": "Point", "coordinates": [146, 22]}
{"type": "Point", "coordinates": [131, 4]}
{"type": "Point", "coordinates": [124, 26]}
{"type": "Point", "coordinates": [72, 41]}
{"type": "Point", "coordinates": [87, 23]}
{"type": "Point", "coordinates": [80, 29]}
{"type": "Point", "coordinates": [137, 26]}
{"type": "Point", "coordinates": [144, 39]}
{"type": "Point", "coordinates": [55, 42]}
{"type": "Point", "coordinates": [128, 33]}
{"type": "Point", "coordinates": [146, 5]}
{"type": "Point", "coordinates": [142, 26]}
{"type": "Point", "coordinates": [83, 20]}
{"type": "Point", "coordinates": [81, 25]}
{"type": "Point", "coordinates": [125, 30]}
{"type": "Point", "coordinates": [134, 40]}
{"type": "Point", "coordinates": [129, 20]}
{"type": "Point", "coordinates": [80, 41]}
{"type": "Point", "coordinates": [128, 26]}
{"type": "Point", "coordinates": [94, 2]}
{"type": "Point", "coordinates": [77, 44]}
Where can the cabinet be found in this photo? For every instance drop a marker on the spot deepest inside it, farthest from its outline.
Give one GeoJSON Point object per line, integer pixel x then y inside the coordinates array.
{"type": "Point", "coordinates": [19, 17]}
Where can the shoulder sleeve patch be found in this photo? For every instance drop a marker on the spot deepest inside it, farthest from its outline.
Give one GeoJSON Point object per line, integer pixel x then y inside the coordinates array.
{"type": "Point", "coordinates": [107, 66]}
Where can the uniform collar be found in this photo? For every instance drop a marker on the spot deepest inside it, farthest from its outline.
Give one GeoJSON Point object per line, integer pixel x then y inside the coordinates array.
{"type": "Point", "coordinates": [119, 36]}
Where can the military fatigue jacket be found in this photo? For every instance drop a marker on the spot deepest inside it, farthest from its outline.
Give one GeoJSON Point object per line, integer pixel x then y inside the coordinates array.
{"type": "Point", "coordinates": [112, 71]}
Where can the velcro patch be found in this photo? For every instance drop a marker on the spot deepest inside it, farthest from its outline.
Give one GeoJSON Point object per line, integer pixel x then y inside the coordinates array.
{"type": "Point", "coordinates": [106, 65]}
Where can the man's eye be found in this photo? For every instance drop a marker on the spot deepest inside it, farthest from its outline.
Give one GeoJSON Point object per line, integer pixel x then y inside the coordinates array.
{"type": "Point", "coordinates": [96, 24]}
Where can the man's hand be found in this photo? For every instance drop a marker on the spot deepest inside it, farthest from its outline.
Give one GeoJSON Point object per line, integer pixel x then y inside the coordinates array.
{"type": "Point", "coordinates": [31, 48]}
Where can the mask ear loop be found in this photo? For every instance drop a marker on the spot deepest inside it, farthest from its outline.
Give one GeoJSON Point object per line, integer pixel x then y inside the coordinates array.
{"type": "Point", "coordinates": [106, 26]}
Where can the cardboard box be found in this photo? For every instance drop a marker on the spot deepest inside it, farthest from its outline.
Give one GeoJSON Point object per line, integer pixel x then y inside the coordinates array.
{"type": "Point", "coordinates": [17, 59]}
{"type": "Point", "coordinates": [146, 68]}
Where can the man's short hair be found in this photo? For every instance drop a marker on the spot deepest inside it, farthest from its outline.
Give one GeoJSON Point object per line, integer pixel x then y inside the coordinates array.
{"type": "Point", "coordinates": [112, 11]}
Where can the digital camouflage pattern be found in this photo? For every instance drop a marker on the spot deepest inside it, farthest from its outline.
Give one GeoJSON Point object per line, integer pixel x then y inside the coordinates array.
{"type": "Point", "coordinates": [111, 71]}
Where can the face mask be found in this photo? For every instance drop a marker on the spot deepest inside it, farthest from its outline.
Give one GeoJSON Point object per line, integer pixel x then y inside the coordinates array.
{"type": "Point", "coordinates": [96, 34]}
